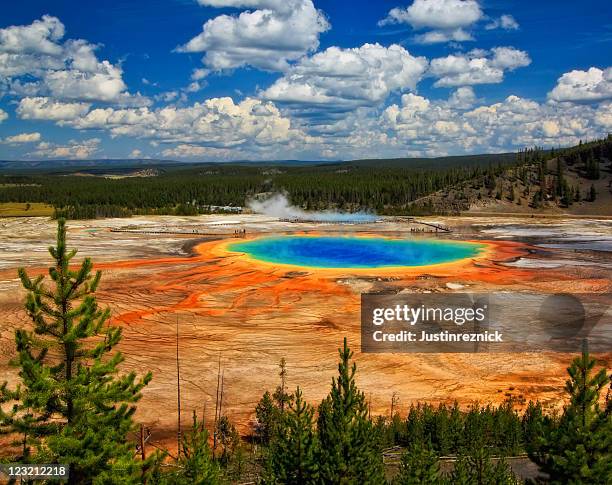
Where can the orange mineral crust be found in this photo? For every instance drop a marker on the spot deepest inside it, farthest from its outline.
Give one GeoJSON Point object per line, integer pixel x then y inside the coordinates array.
{"type": "Point", "coordinates": [249, 314]}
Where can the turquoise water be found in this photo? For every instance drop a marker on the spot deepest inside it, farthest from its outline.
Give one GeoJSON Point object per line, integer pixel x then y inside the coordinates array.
{"type": "Point", "coordinates": [355, 252]}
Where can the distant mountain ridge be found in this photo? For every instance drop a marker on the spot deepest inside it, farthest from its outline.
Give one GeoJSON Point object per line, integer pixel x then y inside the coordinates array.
{"type": "Point", "coordinates": [127, 163]}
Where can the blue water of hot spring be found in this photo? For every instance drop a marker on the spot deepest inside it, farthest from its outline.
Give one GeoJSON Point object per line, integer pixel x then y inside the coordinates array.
{"type": "Point", "coordinates": [355, 252]}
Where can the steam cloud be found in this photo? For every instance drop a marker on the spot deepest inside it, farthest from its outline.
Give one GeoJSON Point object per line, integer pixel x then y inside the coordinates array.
{"type": "Point", "coordinates": [279, 206]}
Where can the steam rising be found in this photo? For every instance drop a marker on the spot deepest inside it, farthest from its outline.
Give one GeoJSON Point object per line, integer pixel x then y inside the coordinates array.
{"type": "Point", "coordinates": [279, 206]}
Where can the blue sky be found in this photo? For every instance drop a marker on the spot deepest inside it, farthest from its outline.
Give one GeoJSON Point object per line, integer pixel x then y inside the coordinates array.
{"type": "Point", "coordinates": [223, 80]}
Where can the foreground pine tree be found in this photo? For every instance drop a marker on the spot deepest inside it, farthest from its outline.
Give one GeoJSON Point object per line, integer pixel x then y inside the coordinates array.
{"type": "Point", "coordinates": [293, 458]}
{"type": "Point", "coordinates": [349, 451]}
{"type": "Point", "coordinates": [578, 448]}
{"type": "Point", "coordinates": [474, 466]}
{"type": "Point", "coordinates": [195, 465]}
{"type": "Point", "coordinates": [268, 417]}
{"type": "Point", "coordinates": [73, 406]}
{"type": "Point", "coordinates": [419, 466]}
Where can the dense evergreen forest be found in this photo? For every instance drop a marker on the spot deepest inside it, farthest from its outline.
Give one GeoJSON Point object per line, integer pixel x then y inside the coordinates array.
{"type": "Point", "coordinates": [387, 187]}
{"type": "Point", "coordinates": [555, 180]}
{"type": "Point", "coordinates": [74, 406]}
{"type": "Point", "coordinates": [191, 190]}
{"type": "Point", "coordinates": [384, 186]}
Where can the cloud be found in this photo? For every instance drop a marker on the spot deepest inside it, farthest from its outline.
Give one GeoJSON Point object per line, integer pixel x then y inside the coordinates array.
{"type": "Point", "coordinates": [439, 36]}
{"type": "Point", "coordinates": [185, 150]}
{"type": "Point", "coordinates": [462, 98]}
{"type": "Point", "coordinates": [216, 122]}
{"type": "Point", "coordinates": [40, 37]}
{"type": "Point", "coordinates": [277, 32]}
{"type": "Point", "coordinates": [506, 22]}
{"type": "Point", "coordinates": [418, 126]}
{"type": "Point", "coordinates": [603, 116]}
{"type": "Point", "coordinates": [74, 149]}
{"type": "Point", "coordinates": [199, 74]}
{"type": "Point", "coordinates": [509, 58]}
{"type": "Point", "coordinates": [35, 61]}
{"type": "Point", "coordinates": [135, 153]}
{"type": "Point", "coordinates": [340, 80]}
{"type": "Point", "coordinates": [3, 115]}
{"type": "Point", "coordinates": [220, 129]}
{"type": "Point", "coordinates": [43, 108]}
{"type": "Point", "coordinates": [446, 19]}
{"type": "Point", "coordinates": [105, 85]}
{"type": "Point", "coordinates": [583, 86]}
{"type": "Point", "coordinates": [439, 126]}
{"type": "Point", "coordinates": [23, 138]}
{"type": "Point", "coordinates": [436, 14]}
{"type": "Point", "coordinates": [477, 66]}
{"type": "Point", "coordinates": [550, 128]}
{"type": "Point", "coordinates": [279, 5]}
{"type": "Point", "coordinates": [330, 104]}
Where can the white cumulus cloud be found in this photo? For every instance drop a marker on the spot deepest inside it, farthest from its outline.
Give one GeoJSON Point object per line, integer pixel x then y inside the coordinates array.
{"type": "Point", "coordinates": [506, 22]}
{"type": "Point", "coordinates": [463, 98]}
{"type": "Point", "coordinates": [40, 37]}
{"type": "Point", "coordinates": [439, 36]}
{"type": "Point", "coordinates": [603, 116]}
{"type": "Point", "coordinates": [216, 122]}
{"type": "Point", "coordinates": [185, 150]}
{"type": "Point", "coordinates": [43, 108]}
{"type": "Point", "coordinates": [438, 126]}
{"type": "Point", "coordinates": [34, 60]}
{"type": "Point", "coordinates": [339, 79]}
{"type": "Point", "coordinates": [477, 67]}
{"type": "Point", "coordinates": [135, 153]}
{"type": "Point", "coordinates": [583, 86]}
{"type": "Point", "coordinates": [23, 138]}
{"type": "Point", "coordinates": [74, 149]}
{"type": "Point", "coordinates": [277, 32]}
{"type": "Point", "coordinates": [446, 20]}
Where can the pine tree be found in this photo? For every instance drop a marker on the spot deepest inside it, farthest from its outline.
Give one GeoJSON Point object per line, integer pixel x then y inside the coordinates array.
{"type": "Point", "coordinates": [281, 396]}
{"type": "Point", "coordinates": [419, 465]}
{"type": "Point", "coordinates": [592, 166]}
{"type": "Point", "coordinates": [532, 423]}
{"type": "Point", "coordinates": [578, 448]}
{"type": "Point", "coordinates": [542, 177]}
{"type": "Point", "coordinates": [592, 193]}
{"type": "Point", "coordinates": [349, 454]}
{"type": "Point", "coordinates": [507, 429]}
{"type": "Point", "coordinates": [475, 467]}
{"type": "Point", "coordinates": [536, 201]}
{"type": "Point", "coordinates": [195, 465]}
{"type": "Point", "coordinates": [73, 407]}
{"type": "Point", "coordinates": [229, 439]}
{"type": "Point", "coordinates": [415, 430]}
{"type": "Point", "coordinates": [461, 471]}
{"type": "Point", "coordinates": [502, 474]}
{"type": "Point", "coordinates": [560, 178]}
{"type": "Point", "coordinates": [268, 417]}
{"type": "Point", "coordinates": [294, 452]}
{"type": "Point", "coordinates": [455, 427]}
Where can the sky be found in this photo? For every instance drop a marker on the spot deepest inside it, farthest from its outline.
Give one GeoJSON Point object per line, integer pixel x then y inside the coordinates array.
{"type": "Point", "coordinates": [222, 80]}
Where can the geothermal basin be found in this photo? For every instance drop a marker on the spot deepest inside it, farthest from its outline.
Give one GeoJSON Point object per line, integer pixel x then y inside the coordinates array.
{"type": "Point", "coordinates": [236, 308]}
{"type": "Point", "coordinates": [355, 252]}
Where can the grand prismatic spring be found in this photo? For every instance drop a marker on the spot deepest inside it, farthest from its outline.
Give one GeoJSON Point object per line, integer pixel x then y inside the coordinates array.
{"type": "Point", "coordinates": [355, 252]}
{"type": "Point", "coordinates": [293, 291]}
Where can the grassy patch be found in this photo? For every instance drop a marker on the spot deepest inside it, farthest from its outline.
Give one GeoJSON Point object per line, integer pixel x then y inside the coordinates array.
{"type": "Point", "coordinates": [21, 209]}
